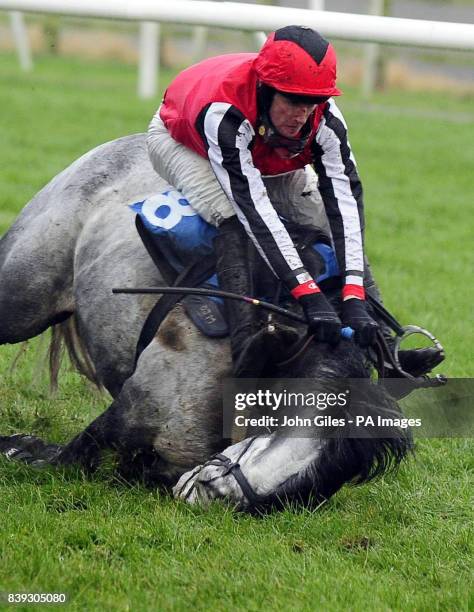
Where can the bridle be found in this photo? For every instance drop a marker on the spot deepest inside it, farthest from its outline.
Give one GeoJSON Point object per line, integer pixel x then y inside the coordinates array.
{"type": "Point", "coordinates": [233, 468]}
{"type": "Point", "coordinates": [382, 354]}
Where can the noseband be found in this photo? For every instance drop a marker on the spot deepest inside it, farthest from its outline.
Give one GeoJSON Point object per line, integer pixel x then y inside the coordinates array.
{"type": "Point", "coordinates": [233, 468]}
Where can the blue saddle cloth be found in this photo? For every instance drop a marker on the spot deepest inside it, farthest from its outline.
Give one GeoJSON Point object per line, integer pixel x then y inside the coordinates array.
{"type": "Point", "coordinates": [184, 237]}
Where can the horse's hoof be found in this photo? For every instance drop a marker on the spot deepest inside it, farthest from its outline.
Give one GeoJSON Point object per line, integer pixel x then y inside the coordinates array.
{"type": "Point", "coordinates": [420, 361]}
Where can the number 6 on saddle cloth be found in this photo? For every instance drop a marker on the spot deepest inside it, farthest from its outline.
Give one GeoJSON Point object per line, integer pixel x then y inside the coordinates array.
{"type": "Point", "coordinates": [177, 238]}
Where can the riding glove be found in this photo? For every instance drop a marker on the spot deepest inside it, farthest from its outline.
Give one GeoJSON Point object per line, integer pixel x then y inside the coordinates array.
{"type": "Point", "coordinates": [355, 315]}
{"type": "Point", "coordinates": [322, 320]}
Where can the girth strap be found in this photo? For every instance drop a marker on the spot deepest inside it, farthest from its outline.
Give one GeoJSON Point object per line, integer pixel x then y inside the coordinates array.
{"type": "Point", "coordinates": [193, 275]}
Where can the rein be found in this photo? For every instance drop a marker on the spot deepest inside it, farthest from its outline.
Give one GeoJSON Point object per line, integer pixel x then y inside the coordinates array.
{"type": "Point", "coordinates": [301, 346]}
{"type": "Point", "coordinates": [382, 350]}
{"type": "Point", "coordinates": [383, 353]}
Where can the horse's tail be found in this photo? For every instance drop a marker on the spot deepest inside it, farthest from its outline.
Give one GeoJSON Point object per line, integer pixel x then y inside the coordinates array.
{"type": "Point", "coordinates": [66, 335]}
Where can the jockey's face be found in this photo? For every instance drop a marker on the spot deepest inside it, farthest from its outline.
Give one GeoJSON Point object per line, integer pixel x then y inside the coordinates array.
{"type": "Point", "coordinates": [288, 117]}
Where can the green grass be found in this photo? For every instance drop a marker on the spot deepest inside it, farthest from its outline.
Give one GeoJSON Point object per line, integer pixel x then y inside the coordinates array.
{"type": "Point", "coordinates": [402, 543]}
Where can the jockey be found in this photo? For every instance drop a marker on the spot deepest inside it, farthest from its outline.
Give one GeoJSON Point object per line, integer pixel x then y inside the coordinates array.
{"type": "Point", "coordinates": [237, 136]}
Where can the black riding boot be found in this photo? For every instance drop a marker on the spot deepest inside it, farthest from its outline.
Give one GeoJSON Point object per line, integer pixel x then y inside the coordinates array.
{"type": "Point", "coordinates": [233, 273]}
{"type": "Point", "coordinates": [414, 361]}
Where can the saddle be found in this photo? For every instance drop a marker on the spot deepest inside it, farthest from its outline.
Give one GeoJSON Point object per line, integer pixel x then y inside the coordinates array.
{"type": "Point", "coordinates": [180, 244]}
{"type": "Point", "coordinates": [207, 313]}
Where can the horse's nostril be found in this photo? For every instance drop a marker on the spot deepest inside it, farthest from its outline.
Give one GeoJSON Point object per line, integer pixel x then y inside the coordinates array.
{"type": "Point", "coordinates": [192, 497]}
{"type": "Point", "coordinates": [202, 494]}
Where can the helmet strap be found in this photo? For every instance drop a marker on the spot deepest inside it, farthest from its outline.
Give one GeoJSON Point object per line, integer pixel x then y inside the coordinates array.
{"type": "Point", "coordinates": [269, 132]}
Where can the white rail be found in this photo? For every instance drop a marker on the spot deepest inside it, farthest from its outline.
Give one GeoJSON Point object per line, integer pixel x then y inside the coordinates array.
{"type": "Point", "coordinates": [365, 28]}
{"type": "Point", "coordinates": [148, 68]}
{"type": "Point", "coordinates": [22, 43]}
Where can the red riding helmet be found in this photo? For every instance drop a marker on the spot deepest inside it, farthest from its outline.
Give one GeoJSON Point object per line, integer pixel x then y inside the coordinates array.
{"type": "Point", "coordinates": [298, 60]}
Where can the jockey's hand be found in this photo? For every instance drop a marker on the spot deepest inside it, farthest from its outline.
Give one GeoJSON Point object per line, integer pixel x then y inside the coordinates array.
{"type": "Point", "coordinates": [355, 315]}
{"type": "Point", "coordinates": [322, 320]}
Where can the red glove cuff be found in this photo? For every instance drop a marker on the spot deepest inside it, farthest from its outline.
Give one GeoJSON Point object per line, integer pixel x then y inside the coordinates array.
{"type": "Point", "coordinates": [355, 291]}
{"type": "Point", "coordinates": [306, 288]}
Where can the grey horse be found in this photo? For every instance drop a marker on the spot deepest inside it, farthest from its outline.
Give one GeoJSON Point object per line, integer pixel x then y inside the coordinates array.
{"type": "Point", "coordinates": [69, 247]}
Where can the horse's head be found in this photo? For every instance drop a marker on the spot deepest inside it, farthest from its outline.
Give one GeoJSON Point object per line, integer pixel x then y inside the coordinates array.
{"type": "Point", "coordinates": [267, 470]}
{"type": "Point", "coordinates": [251, 474]}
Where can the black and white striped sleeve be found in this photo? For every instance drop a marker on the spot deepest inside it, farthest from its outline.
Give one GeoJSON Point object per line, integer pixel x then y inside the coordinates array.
{"type": "Point", "coordinates": [228, 136]}
{"type": "Point", "coordinates": [341, 191]}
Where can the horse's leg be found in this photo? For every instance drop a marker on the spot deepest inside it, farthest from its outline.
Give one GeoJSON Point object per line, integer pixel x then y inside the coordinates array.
{"type": "Point", "coordinates": [36, 262]}
{"type": "Point", "coordinates": [84, 450]}
{"type": "Point", "coordinates": [110, 430]}
{"type": "Point", "coordinates": [36, 257]}
{"type": "Point", "coordinates": [28, 449]}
